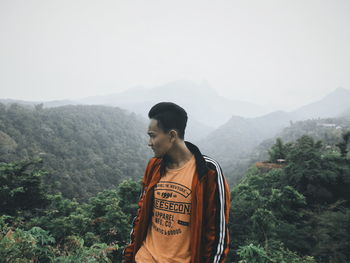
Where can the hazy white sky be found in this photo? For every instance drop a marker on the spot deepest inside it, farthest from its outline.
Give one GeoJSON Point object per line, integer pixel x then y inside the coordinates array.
{"type": "Point", "coordinates": [262, 51]}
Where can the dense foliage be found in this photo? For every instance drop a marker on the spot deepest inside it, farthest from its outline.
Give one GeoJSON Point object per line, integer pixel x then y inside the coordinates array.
{"type": "Point", "coordinates": [295, 212]}
{"type": "Point", "coordinates": [299, 213]}
{"type": "Point", "coordinates": [302, 208]}
{"type": "Point", "coordinates": [85, 149]}
{"type": "Point", "coordinates": [55, 229]}
{"type": "Point", "coordinates": [328, 130]}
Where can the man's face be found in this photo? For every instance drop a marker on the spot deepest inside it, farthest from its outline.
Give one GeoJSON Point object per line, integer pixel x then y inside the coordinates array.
{"type": "Point", "coordinates": [159, 141]}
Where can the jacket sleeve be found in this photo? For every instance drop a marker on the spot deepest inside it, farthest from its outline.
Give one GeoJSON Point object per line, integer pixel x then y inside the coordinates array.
{"type": "Point", "coordinates": [128, 253]}
{"type": "Point", "coordinates": [215, 231]}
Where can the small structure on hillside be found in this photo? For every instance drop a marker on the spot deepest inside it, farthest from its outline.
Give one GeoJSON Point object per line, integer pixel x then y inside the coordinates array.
{"type": "Point", "coordinates": [266, 166]}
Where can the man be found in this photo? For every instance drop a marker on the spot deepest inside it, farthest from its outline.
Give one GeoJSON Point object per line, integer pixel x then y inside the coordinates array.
{"type": "Point", "coordinates": [184, 206]}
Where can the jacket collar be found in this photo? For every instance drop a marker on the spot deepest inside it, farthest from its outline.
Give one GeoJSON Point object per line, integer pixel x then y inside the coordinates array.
{"type": "Point", "coordinates": [202, 168]}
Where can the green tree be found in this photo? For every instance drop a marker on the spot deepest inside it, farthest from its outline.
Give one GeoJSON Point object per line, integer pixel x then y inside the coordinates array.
{"type": "Point", "coordinates": [343, 146]}
{"type": "Point", "coordinates": [265, 211]}
{"type": "Point", "coordinates": [34, 245]}
{"type": "Point", "coordinates": [299, 213]}
{"type": "Point", "coordinates": [129, 193]}
{"type": "Point", "coordinates": [21, 187]}
{"type": "Point", "coordinates": [332, 232]}
{"type": "Point", "coordinates": [109, 221]}
{"type": "Point", "coordinates": [63, 217]}
{"type": "Point", "coordinates": [86, 149]}
{"type": "Point", "coordinates": [278, 151]}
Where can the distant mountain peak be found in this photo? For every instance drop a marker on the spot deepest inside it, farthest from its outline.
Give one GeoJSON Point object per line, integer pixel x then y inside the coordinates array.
{"type": "Point", "coordinates": [331, 105]}
{"type": "Point", "coordinates": [237, 117]}
{"type": "Point", "coordinates": [184, 87]}
{"type": "Point", "coordinates": [340, 91]}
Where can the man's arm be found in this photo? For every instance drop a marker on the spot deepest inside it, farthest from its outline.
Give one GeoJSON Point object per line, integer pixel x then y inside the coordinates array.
{"type": "Point", "coordinates": [128, 253]}
{"type": "Point", "coordinates": [217, 201]}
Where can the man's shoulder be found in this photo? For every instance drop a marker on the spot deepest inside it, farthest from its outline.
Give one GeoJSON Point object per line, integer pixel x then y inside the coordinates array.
{"type": "Point", "coordinates": [216, 176]}
{"type": "Point", "coordinates": [212, 163]}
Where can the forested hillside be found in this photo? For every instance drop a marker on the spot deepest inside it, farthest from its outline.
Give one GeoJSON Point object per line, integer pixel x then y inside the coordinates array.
{"type": "Point", "coordinates": [233, 142]}
{"type": "Point", "coordinates": [90, 148]}
{"type": "Point", "coordinates": [294, 212]}
{"type": "Point", "coordinates": [84, 149]}
{"type": "Point", "coordinates": [240, 141]}
{"type": "Point", "coordinates": [244, 148]}
{"type": "Point", "coordinates": [302, 207]}
{"type": "Point", "coordinates": [298, 212]}
{"type": "Point", "coordinates": [328, 130]}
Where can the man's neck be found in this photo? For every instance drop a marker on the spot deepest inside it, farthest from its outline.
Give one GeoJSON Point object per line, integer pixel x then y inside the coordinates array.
{"type": "Point", "coordinates": [179, 155]}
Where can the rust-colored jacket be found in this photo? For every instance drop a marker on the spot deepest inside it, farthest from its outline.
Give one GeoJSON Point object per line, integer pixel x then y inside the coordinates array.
{"type": "Point", "coordinates": [210, 210]}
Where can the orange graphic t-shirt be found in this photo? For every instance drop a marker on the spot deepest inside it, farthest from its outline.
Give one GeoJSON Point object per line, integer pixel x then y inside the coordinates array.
{"type": "Point", "coordinates": [168, 237]}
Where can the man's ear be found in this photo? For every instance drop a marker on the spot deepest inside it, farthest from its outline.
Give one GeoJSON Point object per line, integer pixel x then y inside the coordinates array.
{"type": "Point", "coordinates": [173, 135]}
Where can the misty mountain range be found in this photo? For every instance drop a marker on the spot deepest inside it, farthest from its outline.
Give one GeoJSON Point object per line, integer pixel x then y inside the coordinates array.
{"type": "Point", "coordinates": [336, 104]}
{"type": "Point", "coordinates": [218, 130]}
{"type": "Point", "coordinates": [209, 111]}
{"type": "Point", "coordinates": [236, 142]}
{"type": "Point", "coordinates": [200, 100]}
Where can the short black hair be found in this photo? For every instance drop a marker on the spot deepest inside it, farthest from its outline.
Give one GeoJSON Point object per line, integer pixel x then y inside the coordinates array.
{"type": "Point", "coordinates": [169, 116]}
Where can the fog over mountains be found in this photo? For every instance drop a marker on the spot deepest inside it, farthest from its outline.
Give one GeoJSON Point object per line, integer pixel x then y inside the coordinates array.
{"type": "Point", "coordinates": [205, 105]}
{"type": "Point", "coordinates": [208, 110]}
{"type": "Point", "coordinates": [332, 105]}
{"type": "Point", "coordinates": [201, 101]}
{"type": "Point", "coordinates": [227, 130]}
{"type": "Point", "coordinates": [335, 104]}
